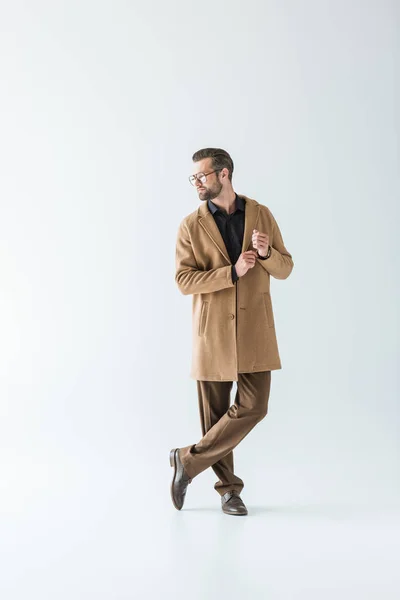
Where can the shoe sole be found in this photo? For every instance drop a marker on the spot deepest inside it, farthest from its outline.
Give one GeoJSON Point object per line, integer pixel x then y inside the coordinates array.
{"type": "Point", "coordinates": [172, 462]}
{"type": "Point", "coordinates": [235, 514]}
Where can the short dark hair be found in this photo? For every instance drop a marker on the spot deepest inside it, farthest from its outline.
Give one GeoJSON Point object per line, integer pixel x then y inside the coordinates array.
{"type": "Point", "coordinates": [220, 159]}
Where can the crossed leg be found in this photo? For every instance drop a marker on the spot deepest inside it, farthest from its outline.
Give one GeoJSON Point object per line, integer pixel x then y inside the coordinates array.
{"type": "Point", "coordinates": [224, 426]}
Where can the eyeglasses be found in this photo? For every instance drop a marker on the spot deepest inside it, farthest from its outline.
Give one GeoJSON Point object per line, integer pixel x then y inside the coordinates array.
{"type": "Point", "coordinates": [202, 177]}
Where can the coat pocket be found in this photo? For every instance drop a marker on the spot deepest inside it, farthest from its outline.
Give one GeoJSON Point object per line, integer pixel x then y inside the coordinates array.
{"type": "Point", "coordinates": [203, 318]}
{"type": "Point", "coordinates": [268, 308]}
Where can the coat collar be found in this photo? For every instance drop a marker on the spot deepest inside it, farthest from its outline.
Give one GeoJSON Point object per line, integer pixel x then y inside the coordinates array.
{"type": "Point", "coordinates": [207, 221]}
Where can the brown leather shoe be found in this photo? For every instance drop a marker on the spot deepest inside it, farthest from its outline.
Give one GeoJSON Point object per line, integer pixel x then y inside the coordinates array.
{"type": "Point", "coordinates": [180, 479]}
{"type": "Point", "coordinates": [232, 504]}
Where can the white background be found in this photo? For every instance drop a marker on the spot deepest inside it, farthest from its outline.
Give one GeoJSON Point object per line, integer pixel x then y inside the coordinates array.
{"type": "Point", "coordinates": [102, 106]}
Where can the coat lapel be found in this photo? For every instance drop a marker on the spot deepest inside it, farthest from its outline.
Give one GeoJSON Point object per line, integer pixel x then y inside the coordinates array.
{"type": "Point", "coordinates": [250, 222]}
{"type": "Point", "coordinates": [206, 220]}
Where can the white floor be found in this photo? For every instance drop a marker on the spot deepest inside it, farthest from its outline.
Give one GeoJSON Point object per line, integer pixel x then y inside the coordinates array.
{"type": "Point", "coordinates": [117, 538]}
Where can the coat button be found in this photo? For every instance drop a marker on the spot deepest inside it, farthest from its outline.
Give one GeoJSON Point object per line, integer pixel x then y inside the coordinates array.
{"type": "Point", "coordinates": [231, 316]}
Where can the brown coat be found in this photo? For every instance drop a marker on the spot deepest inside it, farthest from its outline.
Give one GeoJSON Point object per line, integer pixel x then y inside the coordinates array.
{"type": "Point", "coordinates": [233, 329]}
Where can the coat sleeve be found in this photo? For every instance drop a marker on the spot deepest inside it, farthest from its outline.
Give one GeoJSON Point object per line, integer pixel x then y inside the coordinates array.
{"type": "Point", "coordinates": [280, 262]}
{"type": "Point", "coordinates": [192, 280]}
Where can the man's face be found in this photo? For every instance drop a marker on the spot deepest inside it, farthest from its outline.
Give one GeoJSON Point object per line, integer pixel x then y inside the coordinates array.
{"type": "Point", "coordinates": [212, 186]}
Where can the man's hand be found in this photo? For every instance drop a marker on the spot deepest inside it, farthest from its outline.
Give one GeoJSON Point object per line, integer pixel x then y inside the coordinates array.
{"type": "Point", "coordinates": [260, 242]}
{"type": "Point", "coordinates": [246, 261]}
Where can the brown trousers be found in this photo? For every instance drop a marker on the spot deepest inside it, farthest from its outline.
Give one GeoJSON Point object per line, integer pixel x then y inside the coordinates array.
{"type": "Point", "coordinates": [224, 425]}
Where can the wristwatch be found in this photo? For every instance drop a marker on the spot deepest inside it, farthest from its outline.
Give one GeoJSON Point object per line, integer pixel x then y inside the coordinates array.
{"type": "Point", "coordinates": [268, 254]}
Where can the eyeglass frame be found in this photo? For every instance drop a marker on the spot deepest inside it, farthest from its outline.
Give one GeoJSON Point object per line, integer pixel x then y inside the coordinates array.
{"type": "Point", "coordinates": [203, 174]}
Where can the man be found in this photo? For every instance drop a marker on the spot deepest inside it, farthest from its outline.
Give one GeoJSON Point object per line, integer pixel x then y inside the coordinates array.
{"type": "Point", "coordinates": [233, 325]}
